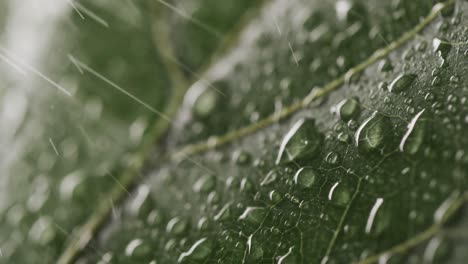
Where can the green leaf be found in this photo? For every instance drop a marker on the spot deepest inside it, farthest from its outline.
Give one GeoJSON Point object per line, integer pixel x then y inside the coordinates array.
{"type": "Point", "coordinates": [81, 110]}
{"type": "Point", "coordinates": [322, 132]}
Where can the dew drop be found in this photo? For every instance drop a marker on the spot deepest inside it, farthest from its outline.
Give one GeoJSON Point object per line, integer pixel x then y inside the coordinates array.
{"type": "Point", "coordinates": [69, 184]}
{"type": "Point", "coordinates": [437, 251]}
{"type": "Point", "coordinates": [141, 204]}
{"type": "Point", "coordinates": [340, 194]}
{"type": "Point", "coordinates": [401, 83]}
{"type": "Point", "coordinates": [224, 213]}
{"type": "Point", "coordinates": [332, 158]}
{"type": "Point", "coordinates": [441, 46]}
{"type": "Point", "coordinates": [274, 196]}
{"type": "Point", "coordinates": [200, 250]}
{"type": "Point", "coordinates": [348, 108]}
{"type": "Point", "coordinates": [253, 215]}
{"type": "Point", "coordinates": [42, 231]}
{"type": "Point", "coordinates": [137, 249]}
{"type": "Point", "coordinates": [385, 65]}
{"type": "Point", "coordinates": [343, 137]}
{"type": "Point", "coordinates": [206, 103]}
{"type": "Point", "coordinates": [372, 214]}
{"type": "Point", "coordinates": [176, 226]}
{"type": "Point", "coordinates": [246, 185]}
{"type": "Point", "coordinates": [270, 177]}
{"type": "Point", "coordinates": [305, 177]}
{"type": "Point", "coordinates": [202, 223]}
{"type": "Point", "coordinates": [205, 184]}
{"type": "Point", "coordinates": [301, 140]}
{"type": "Point", "coordinates": [372, 132]}
{"type": "Point", "coordinates": [286, 258]}
{"type": "Point", "coordinates": [414, 136]}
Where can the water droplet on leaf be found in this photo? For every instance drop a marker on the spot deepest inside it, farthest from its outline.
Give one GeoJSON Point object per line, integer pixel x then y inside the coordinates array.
{"type": "Point", "coordinates": [414, 136]}
{"type": "Point", "coordinates": [348, 108]}
{"type": "Point", "coordinates": [254, 215]}
{"type": "Point", "coordinates": [401, 83]}
{"type": "Point", "coordinates": [176, 226]}
{"type": "Point", "coordinates": [441, 46]}
{"type": "Point", "coordinates": [372, 133]}
{"type": "Point", "coordinates": [200, 250]}
{"type": "Point", "coordinates": [205, 184]}
{"type": "Point", "coordinates": [305, 177]}
{"type": "Point", "coordinates": [301, 140]}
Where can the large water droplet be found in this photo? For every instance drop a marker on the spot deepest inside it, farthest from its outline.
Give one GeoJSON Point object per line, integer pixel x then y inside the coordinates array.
{"type": "Point", "coordinates": [69, 184]}
{"type": "Point", "coordinates": [224, 213]}
{"type": "Point", "coordinates": [287, 258]}
{"type": "Point", "coordinates": [301, 140]}
{"type": "Point", "coordinates": [372, 214]}
{"type": "Point", "coordinates": [206, 103]}
{"type": "Point", "coordinates": [270, 177]}
{"type": "Point", "coordinates": [414, 136]}
{"type": "Point", "coordinates": [305, 177]}
{"type": "Point", "coordinates": [348, 108]}
{"type": "Point", "coordinates": [176, 226]}
{"type": "Point", "coordinates": [42, 231]}
{"type": "Point", "coordinates": [254, 215]}
{"type": "Point", "coordinates": [274, 196]}
{"type": "Point", "coordinates": [385, 65]}
{"type": "Point", "coordinates": [372, 132]}
{"type": "Point", "coordinates": [137, 249]}
{"type": "Point", "coordinates": [441, 46]}
{"type": "Point", "coordinates": [200, 250]}
{"type": "Point", "coordinates": [205, 184]}
{"type": "Point", "coordinates": [332, 158]}
{"type": "Point", "coordinates": [141, 204]}
{"type": "Point", "coordinates": [340, 194]}
{"type": "Point", "coordinates": [401, 83]}
{"type": "Point", "coordinates": [437, 251]}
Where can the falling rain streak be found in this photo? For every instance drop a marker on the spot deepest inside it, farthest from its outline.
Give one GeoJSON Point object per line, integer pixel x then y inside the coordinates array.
{"type": "Point", "coordinates": [114, 85]}
{"type": "Point", "coordinates": [9, 57]}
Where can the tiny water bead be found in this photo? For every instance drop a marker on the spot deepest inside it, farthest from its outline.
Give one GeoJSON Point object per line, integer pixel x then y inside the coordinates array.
{"type": "Point", "coordinates": [372, 133]}
{"type": "Point", "coordinates": [305, 177]}
{"type": "Point", "coordinates": [401, 83]}
{"type": "Point", "coordinates": [301, 140]}
{"type": "Point", "coordinates": [348, 108]}
{"type": "Point", "coordinates": [200, 250]}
